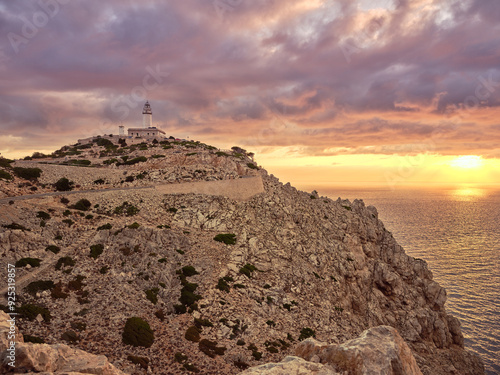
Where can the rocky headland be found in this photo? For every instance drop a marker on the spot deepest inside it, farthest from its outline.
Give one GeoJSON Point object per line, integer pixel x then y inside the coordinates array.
{"type": "Point", "coordinates": [129, 252]}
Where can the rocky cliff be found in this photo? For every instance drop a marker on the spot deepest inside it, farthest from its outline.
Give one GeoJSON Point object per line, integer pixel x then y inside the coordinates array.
{"type": "Point", "coordinates": [221, 284]}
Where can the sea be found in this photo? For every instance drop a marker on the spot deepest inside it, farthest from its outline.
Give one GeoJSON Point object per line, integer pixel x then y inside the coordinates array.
{"type": "Point", "coordinates": [457, 231]}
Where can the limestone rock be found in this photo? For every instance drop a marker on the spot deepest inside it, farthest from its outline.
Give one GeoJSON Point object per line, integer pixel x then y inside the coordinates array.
{"type": "Point", "coordinates": [378, 351]}
{"type": "Point", "coordinates": [290, 365]}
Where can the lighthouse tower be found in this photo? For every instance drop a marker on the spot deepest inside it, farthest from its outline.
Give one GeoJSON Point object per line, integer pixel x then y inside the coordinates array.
{"type": "Point", "coordinates": [147, 116]}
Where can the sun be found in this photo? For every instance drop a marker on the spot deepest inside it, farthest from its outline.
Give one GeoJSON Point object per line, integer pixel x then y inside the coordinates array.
{"type": "Point", "coordinates": [467, 162]}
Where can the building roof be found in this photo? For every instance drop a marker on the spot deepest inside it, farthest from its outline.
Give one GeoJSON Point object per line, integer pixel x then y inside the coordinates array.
{"type": "Point", "coordinates": [153, 128]}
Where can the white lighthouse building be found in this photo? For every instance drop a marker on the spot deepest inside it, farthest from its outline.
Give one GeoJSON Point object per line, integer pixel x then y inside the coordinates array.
{"type": "Point", "coordinates": [147, 116]}
{"type": "Point", "coordinates": [147, 131]}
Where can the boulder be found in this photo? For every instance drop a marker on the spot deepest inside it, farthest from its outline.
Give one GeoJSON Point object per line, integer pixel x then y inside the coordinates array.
{"type": "Point", "coordinates": [290, 365]}
{"type": "Point", "coordinates": [378, 351]}
{"type": "Point", "coordinates": [54, 359]}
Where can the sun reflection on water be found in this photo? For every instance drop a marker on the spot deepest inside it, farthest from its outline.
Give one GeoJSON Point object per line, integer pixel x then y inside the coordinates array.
{"type": "Point", "coordinates": [468, 193]}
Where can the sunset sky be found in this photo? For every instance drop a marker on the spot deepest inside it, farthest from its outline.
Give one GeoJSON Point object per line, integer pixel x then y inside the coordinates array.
{"type": "Point", "coordinates": [330, 92]}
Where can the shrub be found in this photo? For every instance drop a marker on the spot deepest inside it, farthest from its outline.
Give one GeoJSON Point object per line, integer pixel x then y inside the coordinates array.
{"type": "Point", "coordinates": [103, 142]}
{"type": "Point", "coordinates": [190, 367]}
{"type": "Point", "coordinates": [133, 161]}
{"type": "Point", "coordinates": [96, 250]}
{"type": "Point", "coordinates": [220, 153]}
{"type": "Point", "coordinates": [252, 166]}
{"type": "Point", "coordinates": [240, 342]}
{"type": "Point", "coordinates": [162, 260]}
{"type": "Point", "coordinates": [271, 323]}
{"type": "Point", "coordinates": [55, 249]}
{"type": "Point", "coordinates": [43, 215]}
{"type": "Point", "coordinates": [5, 175]}
{"type": "Point", "coordinates": [180, 358]}
{"type": "Point", "coordinates": [70, 336]}
{"type": "Point", "coordinates": [58, 292]}
{"type": "Point", "coordinates": [99, 181]}
{"type": "Point", "coordinates": [227, 238]}
{"type": "Point", "coordinates": [210, 348]}
{"type": "Point", "coordinates": [247, 270]}
{"type": "Point", "coordinates": [33, 339]}
{"type": "Point", "coordinates": [129, 179]}
{"type": "Point", "coordinates": [41, 285]}
{"type": "Point", "coordinates": [137, 333]}
{"type": "Point", "coordinates": [105, 227]}
{"type": "Point", "coordinates": [188, 298]}
{"type": "Point", "coordinates": [127, 209]}
{"type": "Point", "coordinates": [63, 184]}
{"type": "Point", "coordinates": [69, 222]}
{"type": "Point", "coordinates": [223, 285]}
{"type": "Point", "coordinates": [5, 163]}
{"type": "Point", "coordinates": [134, 225]}
{"type": "Point", "coordinates": [142, 361]}
{"type": "Point", "coordinates": [306, 333]}
{"type": "Point", "coordinates": [27, 173]}
{"type": "Point", "coordinates": [82, 205]}
{"type": "Point", "coordinates": [104, 270]}
{"type": "Point", "coordinates": [30, 312]}
{"type": "Point", "coordinates": [172, 209]}
{"type": "Point", "coordinates": [160, 315]}
{"type": "Point", "coordinates": [65, 261]}
{"type": "Point", "coordinates": [33, 262]}
{"type": "Point", "coordinates": [66, 213]}
{"type": "Point", "coordinates": [79, 326]}
{"type": "Point", "coordinates": [152, 295]}
{"type": "Point", "coordinates": [189, 271]}
{"type": "Point", "coordinates": [15, 225]}
{"type": "Point", "coordinates": [109, 162]}
{"type": "Point", "coordinates": [80, 162]}
{"type": "Point", "coordinates": [76, 284]}
{"type": "Point", "coordinates": [192, 334]}
{"type": "Point", "coordinates": [64, 200]}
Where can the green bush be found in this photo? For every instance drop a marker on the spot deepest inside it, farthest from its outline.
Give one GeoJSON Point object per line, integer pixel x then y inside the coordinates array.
{"type": "Point", "coordinates": [82, 205]}
{"type": "Point", "coordinates": [43, 215]}
{"type": "Point", "coordinates": [137, 333]}
{"type": "Point", "coordinates": [38, 286]}
{"type": "Point", "coordinates": [133, 161]}
{"type": "Point", "coordinates": [65, 261]}
{"type": "Point", "coordinates": [58, 292]}
{"type": "Point", "coordinates": [134, 225]}
{"type": "Point", "coordinates": [33, 339]}
{"type": "Point", "coordinates": [142, 361]}
{"type": "Point", "coordinates": [127, 209]}
{"type": "Point", "coordinates": [223, 285]}
{"type": "Point", "coordinates": [110, 161]}
{"type": "Point", "coordinates": [220, 153]}
{"type": "Point", "coordinates": [5, 163]}
{"type": "Point", "coordinates": [105, 227]}
{"type": "Point", "coordinates": [5, 175]}
{"type": "Point", "coordinates": [152, 295]}
{"type": "Point", "coordinates": [30, 312]}
{"type": "Point", "coordinates": [306, 333]}
{"type": "Point", "coordinates": [80, 162]}
{"type": "Point", "coordinates": [15, 225]}
{"type": "Point", "coordinates": [33, 262]}
{"type": "Point", "coordinates": [192, 334]}
{"type": "Point", "coordinates": [252, 166]}
{"type": "Point", "coordinates": [63, 184]}
{"type": "Point", "coordinates": [247, 270]}
{"type": "Point", "coordinates": [96, 250]}
{"type": "Point", "coordinates": [69, 222]}
{"type": "Point", "coordinates": [27, 173]}
{"type": "Point", "coordinates": [55, 249]}
{"type": "Point", "coordinates": [189, 271]}
{"type": "Point", "coordinates": [227, 238]}
{"type": "Point", "coordinates": [99, 181]}
{"type": "Point", "coordinates": [210, 348]}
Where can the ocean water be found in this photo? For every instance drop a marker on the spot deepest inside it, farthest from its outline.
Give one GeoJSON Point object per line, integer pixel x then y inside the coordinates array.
{"type": "Point", "coordinates": [457, 231]}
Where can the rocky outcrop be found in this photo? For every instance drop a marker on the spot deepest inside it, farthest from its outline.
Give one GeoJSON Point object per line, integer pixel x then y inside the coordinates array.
{"type": "Point", "coordinates": [290, 365]}
{"type": "Point", "coordinates": [55, 359]}
{"type": "Point", "coordinates": [378, 351]}
{"type": "Point", "coordinates": [300, 264]}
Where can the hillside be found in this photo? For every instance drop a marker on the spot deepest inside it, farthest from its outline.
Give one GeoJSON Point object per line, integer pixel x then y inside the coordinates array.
{"type": "Point", "coordinates": [254, 274]}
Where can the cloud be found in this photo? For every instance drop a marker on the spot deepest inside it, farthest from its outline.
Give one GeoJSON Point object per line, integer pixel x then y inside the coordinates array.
{"type": "Point", "coordinates": [317, 74]}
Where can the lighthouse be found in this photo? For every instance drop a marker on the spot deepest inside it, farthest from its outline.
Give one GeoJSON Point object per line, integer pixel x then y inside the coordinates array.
{"type": "Point", "coordinates": [147, 116]}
